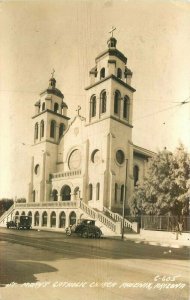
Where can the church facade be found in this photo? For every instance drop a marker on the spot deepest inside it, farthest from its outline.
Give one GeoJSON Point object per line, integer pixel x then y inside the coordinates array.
{"type": "Point", "coordinates": [90, 159]}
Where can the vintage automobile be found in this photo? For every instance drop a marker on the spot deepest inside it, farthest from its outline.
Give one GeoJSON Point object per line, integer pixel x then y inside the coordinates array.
{"type": "Point", "coordinates": [22, 222]}
{"type": "Point", "coordinates": [11, 224]}
{"type": "Point", "coordinates": [85, 228]}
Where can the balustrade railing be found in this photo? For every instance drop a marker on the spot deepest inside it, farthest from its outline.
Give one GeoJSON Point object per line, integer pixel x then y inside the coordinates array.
{"type": "Point", "coordinates": [6, 213]}
{"type": "Point", "coordinates": [117, 217]}
{"type": "Point", "coordinates": [90, 211]}
{"type": "Point", "coordinates": [65, 174]}
{"type": "Point", "coordinates": [99, 216]}
{"type": "Point", "coordinates": [66, 204]}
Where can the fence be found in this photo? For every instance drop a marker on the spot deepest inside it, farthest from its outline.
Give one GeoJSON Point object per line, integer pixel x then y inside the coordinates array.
{"type": "Point", "coordinates": [166, 223]}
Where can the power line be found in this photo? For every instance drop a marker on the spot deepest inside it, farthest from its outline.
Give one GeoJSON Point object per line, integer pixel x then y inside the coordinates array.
{"type": "Point", "coordinates": [168, 108]}
{"type": "Point", "coordinates": [164, 101]}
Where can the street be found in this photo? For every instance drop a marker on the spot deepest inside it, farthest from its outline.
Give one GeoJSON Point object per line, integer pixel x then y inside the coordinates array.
{"type": "Point", "coordinates": [48, 265]}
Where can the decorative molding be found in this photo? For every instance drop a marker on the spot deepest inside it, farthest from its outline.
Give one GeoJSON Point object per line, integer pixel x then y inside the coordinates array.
{"type": "Point", "coordinates": [114, 78]}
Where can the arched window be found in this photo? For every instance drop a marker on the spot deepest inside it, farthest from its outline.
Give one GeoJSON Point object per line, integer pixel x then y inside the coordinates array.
{"type": "Point", "coordinates": [36, 218]}
{"type": "Point", "coordinates": [74, 161]}
{"type": "Point", "coordinates": [43, 106]}
{"type": "Point", "coordinates": [136, 175]}
{"type": "Point", "coordinates": [56, 108]}
{"type": "Point", "coordinates": [55, 195]}
{"type": "Point", "coordinates": [66, 193]}
{"type": "Point", "coordinates": [116, 102]}
{"type": "Point", "coordinates": [61, 129]}
{"type": "Point", "coordinates": [34, 195]}
{"type": "Point", "coordinates": [90, 192]}
{"type": "Point", "coordinates": [116, 188]}
{"type": "Point", "coordinates": [93, 106]}
{"type": "Point", "coordinates": [119, 73]}
{"type": "Point", "coordinates": [102, 73]}
{"type": "Point", "coordinates": [42, 128]}
{"type": "Point", "coordinates": [44, 219]}
{"type": "Point", "coordinates": [52, 129]}
{"type": "Point", "coordinates": [98, 191]}
{"type": "Point", "coordinates": [36, 131]}
{"type": "Point", "coordinates": [16, 215]}
{"type": "Point", "coordinates": [103, 102]}
{"type": "Point", "coordinates": [122, 193]}
{"type": "Point", "coordinates": [77, 193]}
{"type": "Point", "coordinates": [23, 213]}
{"type": "Point", "coordinates": [62, 219]}
{"type": "Point", "coordinates": [126, 108]}
{"type": "Point", "coordinates": [72, 218]}
{"type": "Point", "coordinates": [53, 219]}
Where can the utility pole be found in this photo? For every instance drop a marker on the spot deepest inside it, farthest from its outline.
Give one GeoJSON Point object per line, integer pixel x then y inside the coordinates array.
{"type": "Point", "coordinates": [125, 193]}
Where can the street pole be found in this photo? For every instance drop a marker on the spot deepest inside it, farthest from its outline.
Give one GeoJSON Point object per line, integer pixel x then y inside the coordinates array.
{"type": "Point", "coordinates": [123, 208]}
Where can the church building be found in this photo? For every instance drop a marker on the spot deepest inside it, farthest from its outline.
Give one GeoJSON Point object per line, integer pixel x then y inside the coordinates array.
{"type": "Point", "coordinates": [86, 166]}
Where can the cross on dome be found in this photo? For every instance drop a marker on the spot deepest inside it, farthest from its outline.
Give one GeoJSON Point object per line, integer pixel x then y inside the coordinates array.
{"type": "Point", "coordinates": [52, 73]}
{"type": "Point", "coordinates": [111, 32]}
{"type": "Point", "coordinates": [78, 109]}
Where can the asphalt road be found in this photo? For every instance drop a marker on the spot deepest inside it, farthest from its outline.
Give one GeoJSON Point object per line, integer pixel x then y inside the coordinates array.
{"type": "Point", "coordinates": [45, 265]}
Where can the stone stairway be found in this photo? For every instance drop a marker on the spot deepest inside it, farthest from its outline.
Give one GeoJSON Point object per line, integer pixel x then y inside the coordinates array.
{"type": "Point", "coordinates": [128, 226]}
{"type": "Point", "coordinates": [107, 225]}
{"type": "Point", "coordinates": [7, 216]}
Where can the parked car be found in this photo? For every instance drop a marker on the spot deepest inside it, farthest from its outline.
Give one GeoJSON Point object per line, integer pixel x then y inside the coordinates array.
{"type": "Point", "coordinates": [85, 228]}
{"type": "Point", "coordinates": [11, 224]}
{"type": "Point", "coordinates": [22, 222]}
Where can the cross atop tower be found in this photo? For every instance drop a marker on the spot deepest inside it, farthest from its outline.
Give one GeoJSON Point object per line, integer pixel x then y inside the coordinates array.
{"type": "Point", "coordinates": [113, 28]}
{"type": "Point", "coordinates": [78, 110]}
{"type": "Point", "coordinates": [52, 73]}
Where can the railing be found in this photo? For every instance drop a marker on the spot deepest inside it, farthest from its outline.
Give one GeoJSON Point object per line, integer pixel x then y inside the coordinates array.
{"type": "Point", "coordinates": [117, 217]}
{"type": "Point", "coordinates": [165, 223]}
{"type": "Point", "coordinates": [106, 221]}
{"type": "Point", "coordinates": [65, 174]}
{"type": "Point", "coordinates": [65, 204]}
{"type": "Point", "coordinates": [99, 216]}
{"type": "Point", "coordinates": [88, 210]}
{"type": "Point", "coordinates": [6, 213]}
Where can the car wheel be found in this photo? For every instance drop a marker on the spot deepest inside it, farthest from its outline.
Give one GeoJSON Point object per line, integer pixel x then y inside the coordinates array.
{"type": "Point", "coordinates": [93, 235]}
{"type": "Point", "coordinates": [85, 234]}
{"type": "Point", "coordinates": [98, 234]}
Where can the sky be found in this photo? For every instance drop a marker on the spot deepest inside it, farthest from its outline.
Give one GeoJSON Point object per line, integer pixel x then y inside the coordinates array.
{"type": "Point", "coordinates": [38, 36]}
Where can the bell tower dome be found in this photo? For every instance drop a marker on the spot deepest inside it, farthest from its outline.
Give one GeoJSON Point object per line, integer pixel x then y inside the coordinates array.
{"type": "Point", "coordinates": [110, 92]}
{"type": "Point", "coordinates": [49, 123]}
{"type": "Point", "coordinates": [112, 42]}
{"type": "Point", "coordinates": [50, 119]}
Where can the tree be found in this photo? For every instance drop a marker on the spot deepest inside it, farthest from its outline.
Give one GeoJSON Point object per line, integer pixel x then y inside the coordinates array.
{"type": "Point", "coordinates": [166, 187]}
{"type": "Point", "coordinates": [5, 204]}
{"type": "Point", "coordinates": [21, 200]}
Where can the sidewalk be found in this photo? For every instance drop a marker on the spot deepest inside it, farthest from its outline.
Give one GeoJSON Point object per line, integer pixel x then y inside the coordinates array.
{"type": "Point", "coordinates": [164, 239]}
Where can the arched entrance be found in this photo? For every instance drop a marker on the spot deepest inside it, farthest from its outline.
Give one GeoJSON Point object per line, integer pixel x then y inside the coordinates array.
{"type": "Point", "coordinates": [16, 215]}
{"type": "Point", "coordinates": [44, 219]}
{"type": "Point", "coordinates": [66, 193]}
{"type": "Point", "coordinates": [72, 218]}
{"type": "Point", "coordinates": [62, 220]}
{"type": "Point", "coordinates": [23, 213]}
{"type": "Point", "coordinates": [53, 219]}
{"type": "Point", "coordinates": [36, 219]}
{"type": "Point", "coordinates": [30, 216]}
